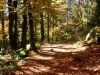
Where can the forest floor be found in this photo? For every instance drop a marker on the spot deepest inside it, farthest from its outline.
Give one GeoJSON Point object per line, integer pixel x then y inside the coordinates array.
{"type": "Point", "coordinates": [61, 59]}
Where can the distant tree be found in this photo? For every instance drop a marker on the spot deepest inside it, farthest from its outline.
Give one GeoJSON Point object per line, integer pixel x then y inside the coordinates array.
{"type": "Point", "coordinates": [2, 19]}
{"type": "Point", "coordinates": [42, 27]}
{"type": "Point", "coordinates": [48, 23]}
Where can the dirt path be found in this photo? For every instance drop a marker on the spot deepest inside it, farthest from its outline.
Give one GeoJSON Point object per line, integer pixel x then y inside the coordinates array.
{"type": "Point", "coordinates": [59, 59]}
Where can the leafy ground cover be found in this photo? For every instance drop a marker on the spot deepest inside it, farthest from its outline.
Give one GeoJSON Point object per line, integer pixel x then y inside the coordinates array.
{"type": "Point", "coordinates": [60, 59]}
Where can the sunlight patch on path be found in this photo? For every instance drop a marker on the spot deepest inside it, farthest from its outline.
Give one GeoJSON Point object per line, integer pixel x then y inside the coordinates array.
{"type": "Point", "coordinates": [30, 70]}
{"type": "Point", "coordinates": [36, 69]}
{"type": "Point", "coordinates": [57, 45]}
{"type": "Point", "coordinates": [61, 48]}
{"type": "Point", "coordinates": [65, 50]}
{"type": "Point", "coordinates": [39, 57]}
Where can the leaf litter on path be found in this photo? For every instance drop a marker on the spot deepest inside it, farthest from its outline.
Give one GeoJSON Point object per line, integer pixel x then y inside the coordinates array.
{"type": "Point", "coordinates": [60, 59]}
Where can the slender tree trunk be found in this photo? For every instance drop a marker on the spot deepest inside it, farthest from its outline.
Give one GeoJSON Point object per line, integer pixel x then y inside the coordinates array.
{"type": "Point", "coordinates": [24, 28]}
{"type": "Point", "coordinates": [11, 30]}
{"type": "Point", "coordinates": [35, 28]}
{"type": "Point", "coordinates": [53, 30]}
{"type": "Point", "coordinates": [10, 24]}
{"type": "Point", "coordinates": [32, 41]}
{"type": "Point", "coordinates": [2, 24]}
{"type": "Point", "coordinates": [42, 27]}
{"type": "Point", "coordinates": [67, 15]}
{"type": "Point", "coordinates": [15, 25]}
{"type": "Point", "coordinates": [2, 21]}
{"type": "Point", "coordinates": [48, 27]}
{"type": "Point", "coordinates": [31, 25]}
{"type": "Point", "coordinates": [15, 31]}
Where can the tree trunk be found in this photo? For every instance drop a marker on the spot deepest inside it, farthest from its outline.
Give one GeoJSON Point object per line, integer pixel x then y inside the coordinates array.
{"type": "Point", "coordinates": [2, 19]}
{"type": "Point", "coordinates": [32, 41]}
{"type": "Point", "coordinates": [42, 27]}
{"type": "Point", "coordinates": [35, 28]}
{"type": "Point", "coordinates": [48, 27]}
{"type": "Point", "coordinates": [10, 24]}
{"type": "Point", "coordinates": [53, 30]}
{"type": "Point", "coordinates": [24, 28]}
{"type": "Point", "coordinates": [15, 25]}
{"type": "Point", "coordinates": [15, 31]}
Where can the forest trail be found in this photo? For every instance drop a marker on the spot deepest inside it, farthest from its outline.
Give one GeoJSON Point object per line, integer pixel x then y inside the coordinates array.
{"type": "Point", "coordinates": [59, 59]}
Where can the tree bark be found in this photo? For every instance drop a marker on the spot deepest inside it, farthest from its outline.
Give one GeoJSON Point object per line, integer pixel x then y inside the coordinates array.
{"type": "Point", "coordinates": [24, 28]}
{"type": "Point", "coordinates": [15, 25]}
{"type": "Point", "coordinates": [48, 27]}
{"type": "Point", "coordinates": [32, 41]}
{"type": "Point", "coordinates": [2, 19]}
{"type": "Point", "coordinates": [10, 24]}
{"type": "Point", "coordinates": [15, 31]}
{"type": "Point", "coordinates": [42, 27]}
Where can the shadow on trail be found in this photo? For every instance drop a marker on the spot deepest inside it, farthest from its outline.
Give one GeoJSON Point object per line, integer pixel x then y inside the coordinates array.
{"type": "Point", "coordinates": [59, 59]}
